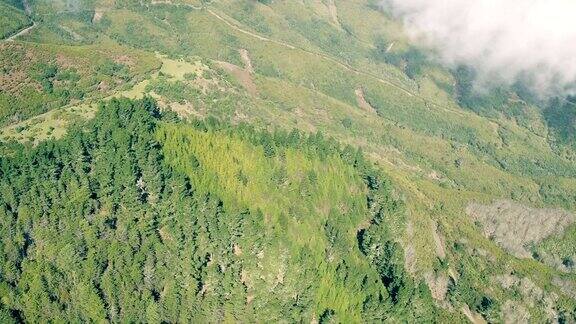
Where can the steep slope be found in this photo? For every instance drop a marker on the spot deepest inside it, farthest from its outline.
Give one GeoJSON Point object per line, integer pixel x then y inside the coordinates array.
{"type": "Point", "coordinates": [36, 78]}
{"type": "Point", "coordinates": [286, 65]}
{"type": "Point", "coordinates": [12, 20]}
{"type": "Point", "coordinates": [303, 229]}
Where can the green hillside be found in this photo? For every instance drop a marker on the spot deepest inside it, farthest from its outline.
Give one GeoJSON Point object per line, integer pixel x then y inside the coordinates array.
{"type": "Point", "coordinates": [216, 239]}
{"type": "Point", "coordinates": [38, 78]}
{"type": "Point", "coordinates": [291, 161]}
{"type": "Point", "coordinates": [12, 20]}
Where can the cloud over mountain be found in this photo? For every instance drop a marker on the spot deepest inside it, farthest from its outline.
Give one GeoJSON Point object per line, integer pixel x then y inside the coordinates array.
{"type": "Point", "coordinates": [505, 40]}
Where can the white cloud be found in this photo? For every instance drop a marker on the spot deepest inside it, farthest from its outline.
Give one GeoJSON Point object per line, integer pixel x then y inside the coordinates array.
{"type": "Point", "coordinates": [503, 39]}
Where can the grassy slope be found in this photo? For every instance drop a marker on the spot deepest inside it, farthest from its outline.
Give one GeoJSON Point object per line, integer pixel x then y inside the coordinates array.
{"type": "Point", "coordinates": [431, 149]}
{"type": "Point", "coordinates": [40, 77]}
{"type": "Point", "coordinates": [11, 20]}
{"type": "Point", "coordinates": [416, 138]}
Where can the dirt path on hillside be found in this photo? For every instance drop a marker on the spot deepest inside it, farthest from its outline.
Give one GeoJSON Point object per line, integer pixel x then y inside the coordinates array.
{"type": "Point", "coordinates": [336, 62]}
{"type": "Point", "coordinates": [247, 32]}
{"type": "Point", "coordinates": [21, 33]}
{"type": "Point", "coordinates": [77, 37]}
{"type": "Point", "coordinates": [244, 75]}
{"type": "Point", "coordinates": [26, 30]}
{"type": "Point", "coordinates": [324, 56]}
{"type": "Point", "coordinates": [346, 66]}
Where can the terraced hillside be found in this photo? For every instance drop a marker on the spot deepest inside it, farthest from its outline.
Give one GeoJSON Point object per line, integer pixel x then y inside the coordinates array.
{"type": "Point", "coordinates": [464, 173]}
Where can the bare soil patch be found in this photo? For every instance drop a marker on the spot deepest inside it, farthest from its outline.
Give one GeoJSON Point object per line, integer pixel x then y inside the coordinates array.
{"type": "Point", "coordinates": [438, 241]}
{"type": "Point", "coordinates": [246, 60]}
{"type": "Point", "coordinates": [241, 75]}
{"type": "Point", "coordinates": [362, 103]}
{"type": "Point", "coordinates": [514, 312]}
{"type": "Point", "coordinates": [438, 284]}
{"type": "Point", "coordinates": [333, 10]}
{"type": "Point", "coordinates": [532, 294]}
{"type": "Point", "coordinates": [98, 15]}
{"type": "Point", "coordinates": [514, 226]}
{"type": "Point", "coordinates": [472, 316]}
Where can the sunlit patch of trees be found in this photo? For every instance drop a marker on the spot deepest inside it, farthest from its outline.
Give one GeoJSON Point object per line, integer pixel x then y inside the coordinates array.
{"type": "Point", "coordinates": [140, 217]}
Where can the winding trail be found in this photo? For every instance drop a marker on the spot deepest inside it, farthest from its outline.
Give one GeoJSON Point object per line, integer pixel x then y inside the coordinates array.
{"type": "Point", "coordinates": [410, 93]}
{"type": "Point", "coordinates": [21, 33]}
{"type": "Point", "coordinates": [247, 32]}
{"type": "Point", "coordinates": [321, 55]}
{"type": "Point", "coordinates": [346, 66]}
{"type": "Point", "coordinates": [335, 61]}
{"type": "Point", "coordinates": [26, 30]}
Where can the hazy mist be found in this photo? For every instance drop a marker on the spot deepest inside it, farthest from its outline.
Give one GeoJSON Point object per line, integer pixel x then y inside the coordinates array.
{"type": "Point", "coordinates": [505, 40]}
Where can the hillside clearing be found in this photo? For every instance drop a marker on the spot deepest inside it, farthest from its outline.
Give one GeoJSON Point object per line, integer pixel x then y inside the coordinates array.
{"type": "Point", "coordinates": [515, 226]}
{"type": "Point", "coordinates": [242, 75]}
{"type": "Point", "coordinates": [362, 101]}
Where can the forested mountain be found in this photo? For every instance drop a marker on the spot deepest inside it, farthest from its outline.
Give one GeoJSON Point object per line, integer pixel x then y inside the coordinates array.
{"type": "Point", "coordinates": [270, 161]}
{"type": "Point", "coordinates": [140, 220]}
